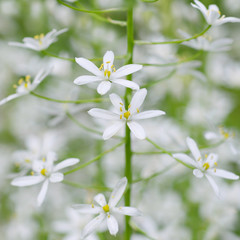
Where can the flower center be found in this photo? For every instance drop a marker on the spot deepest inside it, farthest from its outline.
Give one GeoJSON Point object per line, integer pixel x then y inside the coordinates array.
{"type": "Point", "coordinates": [44, 171]}
{"type": "Point", "coordinates": [206, 166]}
{"type": "Point", "coordinates": [39, 38]}
{"type": "Point", "coordinates": [23, 81]}
{"type": "Point", "coordinates": [127, 114]}
{"type": "Point", "coordinates": [108, 70]}
{"type": "Point", "coordinates": [106, 208]}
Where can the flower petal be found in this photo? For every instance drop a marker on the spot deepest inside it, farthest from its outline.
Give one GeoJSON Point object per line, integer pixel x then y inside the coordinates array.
{"type": "Point", "coordinates": [223, 174]}
{"type": "Point", "coordinates": [112, 130]}
{"type": "Point", "coordinates": [212, 159]}
{"type": "Point", "coordinates": [226, 20]}
{"type": "Point", "coordinates": [86, 79]}
{"type": "Point", "coordinates": [213, 16]}
{"type": "Point", "coordinates": [185, 159]}
{"type": "Point", "coordinates": [112, 224]}
{"type": "Point", "coordinates": [56, 177]}
{"type": "Point", "coordinates": [117, 192]}
{"type": "Point", "coordinates": [27, 181]}
{"type": "Point", "coordinates": [10, 97]}
{"type": "Point", "coordinates": [126, 70]}
{"type": "Point", "coordinates": [104, 87]}
{"type": "Point", "coordinates": [137, 130]}
{"type": "Point", "coordinates": [148, 114]}
{"type": "Point", "coordinates": [66, 163]}
{"type": "Point", "coordinates": [198, 173]}
{"type": "Point", "coordinates": [108, 59]}
{"type": "Point", "coordinates": [127, 83]}
{"type": "Point", "coordinates": [43, 73]}
{"type": "Point", "coordinates": [213, 185]}
{"type": "Point", "coordinates": [116, 101]}
{"type": "Point", "coordinates": [100, 199]}
{"type": "Point", "coordinates": [43, 192]}
{"type": "Point", "coordinates": [88, 65]}
{"type": "Point", "coordinates": [129, 211]}
{"type": "Point", "coordinates": [103, 114]}
{"type": "Point", "coordinates": [137, 100]}
{"type": "Point", "coordinates": [193, 148]}
{"type": "Point", "coordinates": [93, 225]}
{"type": "Point", "coordinates": [87, 208]}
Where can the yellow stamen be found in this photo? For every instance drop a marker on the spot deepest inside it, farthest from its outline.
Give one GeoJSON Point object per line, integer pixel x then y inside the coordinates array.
{"type": "Point", "coordinates": [108, 62]}
{"type": "Point", "coordinates": [138, 110]}
{"type": "Point", "coordinates": [101, 67]}
{"type": "Point", "coordinates": [206, 155]}
{"type": "Point", "coordinates": [20, 81]}
{"type": "Point", "coordinates": [215, 164]}
{"type": "Point", "coordinates": [92, 205]}
{"type": "Point", "coordinates": [27, 160]}
{"type": "Point", "coordinates": [26, 85]}
{"type": "Point", "coordinates": [41, 36]}
{"type": "Point", "coordinates": [106, 72]}
{"type": "Point", "coordinates": [215, 169]}
{"type": "Point", "coordinates": [36, 37]}
{"type": "Point", "coordinates": [129, 106]}
{"type": "Point", "coordinates": [14, 86]}
{"type": "Point", "coordinates": [32, 173]}
{"type": "Point", "coordinates": [44, 159]}
{"type": "Point", "coordinates": [27, 78]}
{"type": "Point", "coordinates": [206, 165]}
{"type": "Point", "coordinates": [121, 109]}
{"type": "Point", "coordinates": [106, 208]}
{"type": "Point", "coordinates": [121, 103]}
{"type": "Point", "coordinates": [44, 171]}
{"type": "Point", "coordinates": [127, 114]}
{"type": "Point", "coordinates": [121, 116]}
{"type": "Point", "coordinates": [199, 158]}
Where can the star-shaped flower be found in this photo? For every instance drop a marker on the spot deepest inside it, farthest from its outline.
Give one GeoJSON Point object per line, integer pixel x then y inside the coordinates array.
{"type": "Point", "coordinates": [212, 14]}
{"type": "Point", "coordinates": [44, 171]}
{"type": "Point", "coordinates": [107, 73]}
{"type": "Point", "coordinates": [204, 166]}
{"type": "Point", "coordinates": [39, 42]}
{"type": "Point", "coordinates": [123, 115]}
{"type": "Point", "coordinates": [106, 210]}
{"type": "Point", "coordinates": [25, 86]}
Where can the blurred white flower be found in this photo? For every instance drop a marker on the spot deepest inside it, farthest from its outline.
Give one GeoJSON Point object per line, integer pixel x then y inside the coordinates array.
{"type": "Point", "coordinates": [45, 172]}
{"type": "Point", "coordinates": [106, 210]}
{"type": "Point", "coordinates": [122, 116]}
{"type": "Point", "coordinates": [25, 86]}
{"type": "Point", "coordinates": [107, 73]}
{"type": "Point", "coordinates": [212, 14]}
{"type": "Point", "coordinates": [39, 42]}
{"type": "Point", "coordinates": [206, 167]}
{"type": "Point", "coordinates": [207, 44]}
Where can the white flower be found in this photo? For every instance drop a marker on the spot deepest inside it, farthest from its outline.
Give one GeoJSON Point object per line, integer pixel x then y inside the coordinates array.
{"type": "Point", "coordinates": [44, 171]}
{"type": "Point", "coordinates": [25, 85]}
{"type": "Point", "coordinates": [39, 42]}
{"type": "Point", "coordinates": [106, 210]}
{"type": "Point", "coordinates": [107, 73]}
{"type": "Point", "coordinates": [212, 14]}
{"type": "Point", "coordinates": [207, 44]}
{"type": "Point", "coordinates": [204, 167]}
{"type": "Point", "coordinates": [123, 115]}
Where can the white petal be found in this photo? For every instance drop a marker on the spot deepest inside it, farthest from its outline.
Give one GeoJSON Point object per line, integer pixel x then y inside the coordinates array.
{"type": "Point", "coordinates": [108, 57]}
{"type": "Point", "coordinates": [43, 192]}
{"type": "Point", "coordinates": [112, 224]}
{"type": "Point", "coordinates": [27, 181]}
{"type": "Point", "coordinates": [66, 163]}
{"type": "Point", "coordinates": [137, 130]}
{"type": "Point", "coordinates": [126, 70]}
{"type": "Point", "coordinates": [100, 199]}
{"type": "Point", "coordinates": [103, 114]}
{"type": "Point", "coordinates": [137, 100]}
{"type": "Point", "coordinates": [56, 177]}
{"type": "Point", "coordinates": [226, 20]}
{"type": "Point", "coordinates": [223, 174]}
{"type": "Point", "coordinates": [212, 159]}
{"type": "Point", "coordinates": [117, 102]}
{"type": "Point", "coordinates": [148, 114]}
{"type": "Point", "coordinates": [112, 130]}
{"type": "Point", "coordinates": [10, 97]}
{"type": "Point", "coordinates": [129, 211]}
{"type": "Point", "coordinates": [87, 208]}
{"type": "Point", "coordinates": [93, 225]}
{"type": "Point", "coordinates": [127, 83]}
{"type": "Point", "coordinates": [104, 87]}
{"type": "Point", "coordinates": [213, 16]}
{"type": "Point", "coordinates": [17, 44]}
{"type": "Point", "coordinates": [197, 173]}
{"type": "Point", "coordinates": [86, 79]}
{"type": "Point", "coordinates": [185, 159]}
{"type": "Point", "coordinates": [89, 66]}
{"type": "Point", "coordinates": [200, 6]}
{"type": "Point", "coordinates": [40, 76]}
{"type": "Point", "coordinates": [117, 192]}
{"type": "Point", "coordinates": [213, 185]}
{"type": "Point", "coordinates": [193, 148]}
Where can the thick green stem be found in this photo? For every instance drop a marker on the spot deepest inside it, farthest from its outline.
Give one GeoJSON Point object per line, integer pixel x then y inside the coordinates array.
{"type": "Point", "coordinates": [128, 151]}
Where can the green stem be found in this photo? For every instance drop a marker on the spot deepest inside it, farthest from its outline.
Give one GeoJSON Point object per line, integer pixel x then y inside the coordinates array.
{"type": "Point", "coordinates": [95, 159]}
{"type": "Point", "coordinates": [97, 100]}
{"type": "Point", "coordinates": [91, 11]}
{"type": "Point", "coordinates": [128, 151]}
{"type": "Point", "coordinates": [56, 56]}
{"type": "Point", "coordinates": [77, 185]}
{"type": "Point", "coordinates": [140, 42]}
